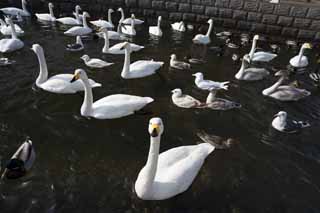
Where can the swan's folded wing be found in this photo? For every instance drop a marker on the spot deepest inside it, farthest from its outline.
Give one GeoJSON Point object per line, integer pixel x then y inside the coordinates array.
{"type": "Point", "coordinates": [119, 99]}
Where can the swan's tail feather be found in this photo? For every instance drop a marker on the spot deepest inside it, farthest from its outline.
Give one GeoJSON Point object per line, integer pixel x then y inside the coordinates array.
{"type": "Point", "coordinates": [96, 85]}
{"type": "Point", "coordinates": [149, 100]}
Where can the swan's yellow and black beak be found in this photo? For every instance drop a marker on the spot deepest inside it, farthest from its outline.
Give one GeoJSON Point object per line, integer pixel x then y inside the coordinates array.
{"type": "Point", "coordinates": [75, 77]}
{"type": "Point", "coordinates": [155, 130]}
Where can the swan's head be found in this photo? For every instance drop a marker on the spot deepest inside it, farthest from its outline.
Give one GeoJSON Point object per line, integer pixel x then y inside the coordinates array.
{"type": "Point", "coordinates": [86, 14]}
{"type": "Point", "coordinates": [133, 16]}
{"type": "Point", "coordinates": [37, 48]}
{"type": "Point", "coordinates": [110, 10]}
{"type": "Point", "coordinates": [159, 18]}
{"type": "Point", "coordinates": [210, 21]}
{"type": "Point", "coordinates": [281, 114]}
{"type": "Point", "coordinates": [85, 57]}
{"type": "Point", "coordinates": [256, 37]}
{"type": "Point", "coordinates": [177, 91]}
{"type": "Point", "coordinates": [281, 73]}
{"type": "Point", "coordinates": [79, 74]}
{"type": "Point", "coordinates": [155, 127]}
{"type": "Point", "coordinates": [50, 5]}
{"type": "Point", "coordinates": [125, 45]}
{"type": "Point", "coordinates": [24, 2]}
{"type": "Point", "coordinates": [120, 9]}
{"type": "Point", "coordinates": [306, 46]}
{"type": "Point", "coordinates": [198, 75]}
{"type": "Point", "coordinates": [173, 56]}
{"type": "Point", "coordinates": [78, 8]}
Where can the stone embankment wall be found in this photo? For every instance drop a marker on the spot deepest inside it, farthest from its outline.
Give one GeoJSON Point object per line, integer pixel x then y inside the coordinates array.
{"type": "Point", "coordinates": [295, 18]}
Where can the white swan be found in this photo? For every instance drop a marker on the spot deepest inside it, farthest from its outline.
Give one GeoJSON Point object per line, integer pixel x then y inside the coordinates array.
{"type": "Point", "coordinates": [122, 16]}
{"type": "Point", "coordinates": [104, 23]}
{"type": "Point", "coordinates": [13, 11]}
{"type": "Point", "coordinates": [282, 124]}
{"type": "Point", "coordinates": [95, 62]}
{"type": "Point", "coordinates": [250, 74]}
{"type": "Point", "coordinates": [47, 16]}
{"type": "Point", "coordinates": [71, 20]}
{"type": "Point", "coordinates": [78, 46]}
{"type": "Point", "coordinates": [259, 56]}
{"type": "Point", "coordinates": [171, 172]}
{"type": "Point", "coordinates": [300, 60]}
{"type": "Point", "coordinates": [156, 30]}
{"type": "Point", "coordinates": [80, 31]}
{"type": "Point", "coordinates": [178, 26]}
{"type": "Point", "coordinates": [113, 35]}
{"type": "Point", "coordinates": [138, 69]}
{"type": "Point", "coordinates": [6, 29]}
{"type": "Point", "coordinates": [11, 44]}
{"type": "Point", "coordinates": [136, 21]}
{"type": "Point", "coordinates": [208, 84]}
{"type": "Point", "coordinates": [204, 39]}
{"type": "Point", "coordinates": [58, 83]}
{"type": "Point", "coordinates": [180, 65]}
{"type": "Point", "coordinates": [116, 49]}
{"type": "Point", "coordinates": [110, 107]}
{"type": "Point", "coordinates": [129, 30]}
{"type": "Point", "coordinates": [77, 14]}
{"type": "Point", "coordinates": [285, 92]}
{"type": "Point", "coordinates": [185, 101]}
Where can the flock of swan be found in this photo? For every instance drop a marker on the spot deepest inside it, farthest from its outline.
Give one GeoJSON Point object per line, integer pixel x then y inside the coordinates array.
{"type": "Point", "coordinates": [173, 171]}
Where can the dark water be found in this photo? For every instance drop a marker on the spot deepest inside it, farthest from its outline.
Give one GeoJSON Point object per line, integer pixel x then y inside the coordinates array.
{"type": "Point", "coordinates": [91, 165]}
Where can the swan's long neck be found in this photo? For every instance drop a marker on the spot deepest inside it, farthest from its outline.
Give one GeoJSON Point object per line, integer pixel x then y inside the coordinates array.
{"type": "Point", "coordinates": [132, 24]}
{"type": "Point", "coordinates": [241, 71]}
{"type": "Point", "coordinates": [159, 23]}
{"type": "Point", "coordinates": [51, 12]}
{"type": "Point", "coordinates": [13, 31]}
{"type": "Point", "coordinates": [24, 6]}
{"type": "Point", "coordinates": [109, 16]}
{"type": "Point", "coordinates": [86, 107]}
{"type": "Point", "coordinates": [274, 87]}
{"type": "Point", "coordinates": [122, 15]}
{"type": "Point", "coordinates": [119, 27]}
{"type": "Point", "coordinates": [210, 29]}
{"type": "Point", "coordinates": [84, 20]}
{"type": "Point", "coordinates": [106, 42]}
{"type": "Point", "coordinates": [211, 97]}
{"type": "Point", "coordinates": [300, 54]}
{"type": "Point", "coordinates": [43, 74]}
{"type": "Point", "coordinates": [126, 64]}
{"type": "Point", "coordinates": [77, 14]}
{"type": "Point", "coordinates": [253, 48]}
{"type": "Point", "coordinates": [150, 168]}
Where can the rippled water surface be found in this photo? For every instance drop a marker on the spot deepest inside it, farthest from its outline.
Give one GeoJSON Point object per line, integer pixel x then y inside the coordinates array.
{"type": "Point", "coordinates": [87, 165]}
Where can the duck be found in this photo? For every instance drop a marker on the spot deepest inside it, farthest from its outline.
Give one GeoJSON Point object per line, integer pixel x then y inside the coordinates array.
{"type": "Point", "coordinates": [95, 62]}
{"type": "Point", "coordinates": [251, 74]}
{"type": "Point", "coordinates": [285, 92]}
{"type": "Point", "coordinates": [103, 23]}
{"type": "Point", "coordinates": [156, 30]}
{"type": "Point", "coordinates": [185, 101]}
{"type": "Point", "coordinates": [179, 26]}
{"type": "Point", "coordinates": [127, 21]}
{"type": "Point", "coordinates": [283, 124]}
{"type": "Point", "coordinates": [215, 103]}
{"type": "Point", "coordinates": [116, 49]}
{"type": "Point", "coordinates": [259, 56]}
{"type": "Point", "coordinates": [47, 16]}
{"type": "Point", "coordinates": [218, 141]}
{"type": "Point", "coordinates": [109, 107]}
{"type": "Point", "coordinates": [129, 30]}
{"type": "Point", "coordinates": [58, 83]}
{"type": "Point", "coordinates": [6, 29]}
{"type": "Point", "coordinates": [70, 20]}
{"type": "Point", "coordinates": [172, 172]}
{"type": "Point", "coordinates": [204, 39]}
{"type": "Point", "coordinates": [11, 44]}
{"type": "Point", "coordinates": [21, 162]}
{"type": "Point", "coordinates": [208, 84]}
{"type": "Point", "coordinates": [180, 65]}
{"type": "Point", "coordinates": [138, 69]}
{"type": "Point", "coordinates": [13, 11]}
{"type": "Point", "coordinates": [80, 30]}
{"type": "Point", "coordinates": [78, 46]}
{"type": "Point", "coordinates": [300, 60]}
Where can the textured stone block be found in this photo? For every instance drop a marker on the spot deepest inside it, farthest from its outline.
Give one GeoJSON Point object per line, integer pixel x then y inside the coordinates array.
{"type": "Point", "coordinates": [158, 5]}
{"type": "Point", "coordinates": [285, 21]}
{"type": "Point", "coordinates": [189, 17]}
{"type": "Point", "coordinates": [269, 19]}
{"type": "Point", "coordinates": [266, 8]}
{"type": "Point", "coordinates": [306, 34]}
{"type": "Point", "coordinates": [251, 6]}
{"type": "Point", "coordinates": [184, 8]}
{"type": "Point", "coordinates": [298, 11]}
{"type": "Point", "coordinates": [282, 10]}
{"type": "Point", "coordinates": [222, 3]}
{"type": "Point", "coordinates": [258, 27]}
{"type": "Point", "coordinates": [254, 17]}
{"type": "Point", "coordinates": [239, 14]}
{"type": "Point", "coordinates": [225, 13]}
{"type": "Point", "coordinates": [208, 2]}
{"type": "Point", "coordinates": [211, 11]}
{"type": "Point", "coordinates": [314, 13]}
{"type": "Point", "coordinates": [229, 23]}
{"type": "Point", "coordinates": [274, 30]}
{"type": "Point", "coordinates": [175, 16]}
{"type": "Point", "coordinates": [202, 18]}
{"type": "Point", "coordinates": [244, 25]}
{"type": "Point", "coordinates": [116, 3]}
{"type": "Point", "coordinates": [290, 32]}
{"type": "Point", "coordinates": [172, 6]}
{"type": "Point", "coordinates": [315, 25]}
{"type": "Point", "coordinates": [195, 2]}
{"type": "Point", "coordinates": [163, 14]}
{"type": "Point", "coordinates": [197, 9]}
{"type": "Point", "coordinates": [301, 23]}
{"type": "Point", "coordinates": [131, 3]}
{"type": "Point", "coordinates": [236, 4]}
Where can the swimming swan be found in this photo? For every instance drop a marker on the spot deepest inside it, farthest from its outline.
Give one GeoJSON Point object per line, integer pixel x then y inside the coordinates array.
{"type": "Point", "coordinates": [156, 30]}
{"type": "Point", "coordinates": [11, 44]}
{"type": "Point", "coordinates": [110, 107]}
{"type": "Point", "coordinates": [80, 31]}
{"type": "Point", "coordinates": [6, 29]}
{"type": "Point", "coordinates": [13, 11]}
{"type": "Point", "coordinates": [259, 56]}
{"type": "Point", "coordinates": [282, 124]}
{"type": "Point", "coordinates": [78, 46]}
{"type": "Point", "coordinates": [173, 171]}
{"type": "Point", "coordinates": [204, 39]}
{"type": "Point", "coordinates": [285, 92]}
{"type": "Point", "coordinates": [250, 74]}
{"type": "Point", "coordinates": [138, 69]}
{"type": "Point", "coordinates": [104, 23]}
{"type": "Point", "coordinates": [47, 16]}
{"type": "Point", "coordinates": [300, 60]}
{"type": "Point", "coordinates": [129, 30]}
{"type": "Point", "coordinates": [178, 26]}
{"type": "Point", "coordinates": [136, 21]}
{"type": "Point", "coordinates": [57, 83]}
{"type": "Point", "coordinates": [71, 20]}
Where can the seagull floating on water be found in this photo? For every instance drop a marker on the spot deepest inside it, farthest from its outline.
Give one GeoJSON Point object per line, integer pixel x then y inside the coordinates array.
{"type": "Point", "coordinates": [180, 65]}
{"type": "Point", "coordinates": [208, 84]}
{"type": "Point", "coordinates": [95, 62]}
